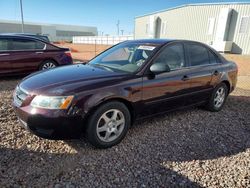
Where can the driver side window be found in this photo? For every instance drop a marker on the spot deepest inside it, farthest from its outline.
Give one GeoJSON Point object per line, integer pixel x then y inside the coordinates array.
{"type": "Point", "coordinates": [172, 56]}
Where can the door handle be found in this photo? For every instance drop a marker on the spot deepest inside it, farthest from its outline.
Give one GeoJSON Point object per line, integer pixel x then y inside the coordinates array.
{"type": "Point", "coordinates": [4, 54]}
{"type": "Point", "coordinates": [216, 73]}
{"type": "Point", "coordinates": [185, 78]}
{"type": "Point", "coordinates": [39, 52]}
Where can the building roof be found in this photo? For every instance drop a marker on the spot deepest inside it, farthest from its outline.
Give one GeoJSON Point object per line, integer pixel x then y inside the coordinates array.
{"type": "Point", "coordinates": [195, 4]}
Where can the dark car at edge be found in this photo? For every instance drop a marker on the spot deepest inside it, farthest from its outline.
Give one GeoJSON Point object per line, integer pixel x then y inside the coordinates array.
{"type": "Point", "coordinates": [130, 81]}
{"type": "Point", "coordinates": [22, 54]}
{"type": "Point", "coordinates": [38, 36]}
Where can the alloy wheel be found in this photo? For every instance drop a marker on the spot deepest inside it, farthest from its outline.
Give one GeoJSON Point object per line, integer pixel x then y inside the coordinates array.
{"type": "Point", "coordinates": [110, 125]}
{"type": "Point", "coordinates": [48, 65]}
{"type": "Point", "coordinates": [219, 97]}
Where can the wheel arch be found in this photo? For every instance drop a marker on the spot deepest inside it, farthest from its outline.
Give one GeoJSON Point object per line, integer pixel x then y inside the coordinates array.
{"type": "Point", "coordinates": [227, 84]}
{"type": "Point", "coordinates": [127, 103]}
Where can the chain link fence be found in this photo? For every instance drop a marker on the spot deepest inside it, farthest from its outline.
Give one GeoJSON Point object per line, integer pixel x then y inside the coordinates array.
{"type": "Point", "coordinates": [101, 40]}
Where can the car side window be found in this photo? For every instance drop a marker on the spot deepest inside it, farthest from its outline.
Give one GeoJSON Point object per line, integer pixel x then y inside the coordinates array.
{"type": "Point", "coordinates": [198, 55]}
{"type": "Point", "coordinates": [213, 58]}
{"type": "Point", "coordinates": [173, 56]}
{"type": "Point", "coordinates": [4, 44]}
{"type": "Point", "coordinates": [39, 45]}
{"type": "Point", "coordinates": [25, 44]}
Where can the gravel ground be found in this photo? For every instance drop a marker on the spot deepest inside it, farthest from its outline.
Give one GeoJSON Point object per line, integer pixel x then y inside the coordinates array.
{"type": "Point", "coordinates": [189, 148]}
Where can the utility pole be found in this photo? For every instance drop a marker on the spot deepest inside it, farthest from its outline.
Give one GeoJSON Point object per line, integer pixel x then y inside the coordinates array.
{"type": "Point", "coordinates": [21, 6]}
{"type": "Point", "coordinates": [122, 31]}
{"type": "Point", "coordinates": [118, 27]}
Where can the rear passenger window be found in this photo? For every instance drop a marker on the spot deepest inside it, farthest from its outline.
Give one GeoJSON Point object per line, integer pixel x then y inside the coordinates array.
{"type": "Point", "coordinates": [24, 44]}
{"type": "Point", "coordinates": [39, 45]}
{"type": "Point", "coordinates": [173, 56]}
{"type": "Point", "coordinates": [198, 55]}
{"type": "Point", "coordinates": [3, 44]}
{"type": "Point", "coordinates": [213, 58]}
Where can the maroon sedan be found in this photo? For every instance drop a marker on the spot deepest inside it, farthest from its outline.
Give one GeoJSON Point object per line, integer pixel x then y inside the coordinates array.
{"type": "Point", "coordinates": [24, 54]}
{"type": "Point", "coordinates": [130, 81]}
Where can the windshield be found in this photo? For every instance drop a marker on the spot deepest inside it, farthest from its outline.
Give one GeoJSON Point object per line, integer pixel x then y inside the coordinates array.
{"type": "Point", "coordinates": [125, 57]}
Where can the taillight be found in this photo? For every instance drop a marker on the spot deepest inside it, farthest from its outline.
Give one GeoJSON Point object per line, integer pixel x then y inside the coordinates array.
{"type": "Point", "coordinates": [68, 53]}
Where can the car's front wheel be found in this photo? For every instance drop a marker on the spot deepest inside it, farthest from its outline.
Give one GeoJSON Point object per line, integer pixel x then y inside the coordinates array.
{"type": "Point", "coordinates": [218, 98]}
{"type": "Point", "coordinates": [108, 125]}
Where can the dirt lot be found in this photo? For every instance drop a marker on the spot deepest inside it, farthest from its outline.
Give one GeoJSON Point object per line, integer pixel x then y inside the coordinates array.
{"type": "Point", "coordinates": [189, 148]}
{"type": "Point", "coordinates": [84, 52]}
{"type": "Point", "coordinates": [243, 63]}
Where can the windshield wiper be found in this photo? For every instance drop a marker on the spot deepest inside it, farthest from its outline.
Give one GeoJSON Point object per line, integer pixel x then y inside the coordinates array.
{"type": "Point", "coordinates": [102, 65]}
{"type": "Point", "coordinates": [85, 62]}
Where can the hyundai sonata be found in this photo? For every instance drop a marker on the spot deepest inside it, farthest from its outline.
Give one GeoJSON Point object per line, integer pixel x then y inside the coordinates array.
{"type": "Point", "coordinates": [128, 82]}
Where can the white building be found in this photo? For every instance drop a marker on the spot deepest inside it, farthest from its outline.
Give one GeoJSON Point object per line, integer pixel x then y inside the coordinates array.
{"type": "Point", "coordinates": [225, 26]}
{"type": "Point", "coordinates": [54, 31]}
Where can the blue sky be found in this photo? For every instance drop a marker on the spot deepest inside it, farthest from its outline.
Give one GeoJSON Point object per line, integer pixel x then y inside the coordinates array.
{"type": "Point", "coordinates": [100, 13]}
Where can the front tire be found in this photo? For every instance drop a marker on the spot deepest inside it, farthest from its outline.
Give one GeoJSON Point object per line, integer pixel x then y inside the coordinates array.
{"type": "Point", "coordinates": [108, 125]}
{"type": "Point", "coordinates": [218, 98]}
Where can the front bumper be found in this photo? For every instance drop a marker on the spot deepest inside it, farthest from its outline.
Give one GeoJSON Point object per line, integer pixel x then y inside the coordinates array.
{"type": "Point", "coordinates": [50, 124]}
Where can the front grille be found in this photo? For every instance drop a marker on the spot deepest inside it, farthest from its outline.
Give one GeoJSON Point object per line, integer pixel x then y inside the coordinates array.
{"type": "Point", "coordinates": [19, 96]}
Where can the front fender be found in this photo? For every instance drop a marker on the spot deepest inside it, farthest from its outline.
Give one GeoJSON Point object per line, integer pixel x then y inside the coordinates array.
{"type": "Point", "coordinates": [91, 101]}
{"type": "Point", "coordinates": [130, 91]}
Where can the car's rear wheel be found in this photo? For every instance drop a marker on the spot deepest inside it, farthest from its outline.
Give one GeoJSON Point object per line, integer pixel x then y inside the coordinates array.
{"type": "Point", "coordinates": [48, 64]}
{"type": "Point", "coordinates": [218, 98]}
{"type": "Point", "coordinates": [108, 125]}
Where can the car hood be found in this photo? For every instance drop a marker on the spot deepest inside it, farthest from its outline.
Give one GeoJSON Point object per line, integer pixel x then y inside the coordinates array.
{"type": "Point", "coordinates": [69, 80]}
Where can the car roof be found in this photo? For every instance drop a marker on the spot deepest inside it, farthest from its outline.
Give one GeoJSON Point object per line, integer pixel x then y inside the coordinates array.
{"type": "Point", "coordinates": [162, 41]}
{"type": "Point", "coordinates": [151, 41]}
{"type": "Point", "coordinates": [22, 36]}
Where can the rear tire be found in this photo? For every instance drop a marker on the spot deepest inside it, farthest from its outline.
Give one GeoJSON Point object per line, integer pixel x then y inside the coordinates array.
{"type": "Point", "coordinates": [108, 125]}
{"type": "Point", "coordinates": [218, 98]}
{"type": "Point", "coordinates": [48, 64]}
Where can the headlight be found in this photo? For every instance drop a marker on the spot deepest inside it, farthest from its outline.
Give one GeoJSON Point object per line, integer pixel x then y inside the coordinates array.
{"type": "Point", "coordinates": [52, 102]}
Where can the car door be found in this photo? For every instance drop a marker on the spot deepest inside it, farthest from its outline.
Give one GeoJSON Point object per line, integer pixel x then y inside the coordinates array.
{"type": "Point", "coordinates": [217, 68]}
{"type": "Point", "coordinates": [200, 73]}
{"type": "Point", "coordinates": [5, 58]}
{"type": "Point", "coordinates": [27, 54]}
{"type": "Point", "coordinates": [166, 91]}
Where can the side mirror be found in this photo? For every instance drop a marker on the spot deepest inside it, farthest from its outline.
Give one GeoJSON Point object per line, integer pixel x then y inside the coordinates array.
{"type": "Point", "coordinates": [159, 68]}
